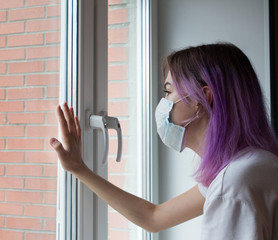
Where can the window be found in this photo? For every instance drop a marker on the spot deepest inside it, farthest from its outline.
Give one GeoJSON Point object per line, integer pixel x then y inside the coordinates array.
{"type": "Point", "coordinates": [129, 99]}
{"type": "Point", "coordinates": [53, 51]}
{"type": "Point", "coordinates": [123, 103]}
{"type": "Point", "coordinates": [116, 80]}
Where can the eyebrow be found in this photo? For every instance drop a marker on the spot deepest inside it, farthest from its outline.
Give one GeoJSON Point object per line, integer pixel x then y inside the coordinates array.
{"type": "Point", "coordinates": [167, 83]}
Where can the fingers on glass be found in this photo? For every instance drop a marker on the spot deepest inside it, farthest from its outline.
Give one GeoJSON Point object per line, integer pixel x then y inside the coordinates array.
{"type": "Point", "coordinates": [71, 112]}
{"type": "Point", "coordinates": [62, 121]}
{"type": "Point", "coordinates": [69, 118]}
{"type": "Point", "coordinates": [78, 128]}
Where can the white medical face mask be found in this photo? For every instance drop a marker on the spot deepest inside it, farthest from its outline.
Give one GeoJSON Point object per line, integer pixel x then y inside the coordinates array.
{"type": "Point", "coordinates": [170, 133]}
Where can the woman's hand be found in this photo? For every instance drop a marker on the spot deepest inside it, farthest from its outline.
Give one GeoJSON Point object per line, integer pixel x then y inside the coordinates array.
{"type": "Point", "coordinates": [69, 152]}
{"type": "Point", "coordinates": [143, 213]}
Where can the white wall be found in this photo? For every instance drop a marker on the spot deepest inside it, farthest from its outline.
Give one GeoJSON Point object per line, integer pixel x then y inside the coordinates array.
{"type": "Point", "coordinates": [183, 23]}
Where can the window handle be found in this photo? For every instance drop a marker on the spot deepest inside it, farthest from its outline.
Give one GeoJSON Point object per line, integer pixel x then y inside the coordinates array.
{"type": "Point", "coordinates": [103, 123]}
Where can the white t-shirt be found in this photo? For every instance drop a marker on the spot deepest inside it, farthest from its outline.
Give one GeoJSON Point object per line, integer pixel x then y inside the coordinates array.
{"type": "Point", "coordinates": [242, 201]}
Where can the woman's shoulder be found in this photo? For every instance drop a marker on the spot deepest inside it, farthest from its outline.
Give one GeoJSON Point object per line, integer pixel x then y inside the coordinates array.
{"type": "Point", "coordinates": [252, 165]}
{"type": "Point", "coordinates": [252, 169]}
{"type": "Point", "coordinates": [253, 172]}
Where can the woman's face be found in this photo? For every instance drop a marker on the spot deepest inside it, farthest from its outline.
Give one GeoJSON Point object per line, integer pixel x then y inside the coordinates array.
{"type": "Point", "coordinates": [180, 111]}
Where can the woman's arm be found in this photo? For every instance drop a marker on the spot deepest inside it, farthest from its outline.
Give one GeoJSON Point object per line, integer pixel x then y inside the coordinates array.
{"type": "Point", "coordinates": [147, 215]}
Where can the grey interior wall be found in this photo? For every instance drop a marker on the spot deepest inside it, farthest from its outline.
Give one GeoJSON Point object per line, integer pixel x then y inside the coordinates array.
{"type": "Point", "coordinates": [183, 23]}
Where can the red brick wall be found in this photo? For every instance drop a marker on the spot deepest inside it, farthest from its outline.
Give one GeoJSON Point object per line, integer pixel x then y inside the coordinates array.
{"type": "Point", "coordinates": [29, 92]}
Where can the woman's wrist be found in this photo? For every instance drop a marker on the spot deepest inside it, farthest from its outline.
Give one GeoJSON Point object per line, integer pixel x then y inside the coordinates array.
{"type": "Point", "coordinates": [80, 170]}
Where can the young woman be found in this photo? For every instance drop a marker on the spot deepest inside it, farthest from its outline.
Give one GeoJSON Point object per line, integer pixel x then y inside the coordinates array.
{"type": "Point", "coordinates": [213, 105]}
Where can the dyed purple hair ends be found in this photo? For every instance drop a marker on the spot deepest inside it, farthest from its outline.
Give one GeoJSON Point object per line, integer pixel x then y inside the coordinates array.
{"type": "Point", "coordinates": [237, 116]}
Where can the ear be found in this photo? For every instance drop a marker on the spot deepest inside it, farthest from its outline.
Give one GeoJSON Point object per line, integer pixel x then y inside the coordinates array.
{"type": "Point", "coordinates": [208, 93]}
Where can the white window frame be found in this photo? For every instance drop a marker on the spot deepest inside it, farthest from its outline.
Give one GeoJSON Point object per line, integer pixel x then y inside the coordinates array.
{"type": "Point", "coordinates": [80, 213]}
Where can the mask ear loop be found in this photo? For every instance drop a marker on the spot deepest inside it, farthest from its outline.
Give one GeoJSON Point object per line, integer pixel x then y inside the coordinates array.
{"type": "Point", "coordinates": [197, 116]}
{"type": "Point", "coordinates": [182, 98]}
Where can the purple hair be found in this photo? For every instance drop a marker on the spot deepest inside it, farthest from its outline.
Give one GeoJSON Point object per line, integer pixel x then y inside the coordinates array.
{"type": "Point", "coordinates": [237, 115]}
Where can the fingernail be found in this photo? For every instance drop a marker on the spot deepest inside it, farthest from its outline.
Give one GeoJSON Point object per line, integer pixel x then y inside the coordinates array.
{"type": "Point", "coordinates": [53, 142]}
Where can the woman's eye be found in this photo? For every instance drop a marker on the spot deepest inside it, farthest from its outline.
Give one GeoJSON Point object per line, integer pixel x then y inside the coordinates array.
{"type": "Point", "coordinates": [167, 92]}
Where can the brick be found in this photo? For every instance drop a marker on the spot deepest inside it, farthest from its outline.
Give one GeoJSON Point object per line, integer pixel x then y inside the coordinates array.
{"type": "Point", "coordinates": [53, 37]}
{"type": "Point", "coordinates": [2, 94]}
{"type": "Point", "coordinates": [116, 167]}
{"type": "Point", "coordinates": [24, 170]}
{"type": "Point", "coordinates": [113, 146]}
{"type": "Point", "coordinates": [11, 209]}
{"type": "Point", "coordinates": [41, 184]}
{"type": "Point", "coordinates": [25, 40]}
{"type": "Point", "coordinates": [11, 81]}
{"type": "Point", "coordinates": [2, 170]}
{"type": "Point", "coordinates": [53, 66]}
{"type": "Point", "coordinates": [11, 106]}
{"type": "Point", "coordinates": [12, 131]}
{"type": "Point", "coordinates": [42, 131]}
{"type": "Point", "coordinates": [2, 143]}
{"type": "Point", "coordinates": [26, 67]}
{"type": "Point", "coordinates": [43, 52]}
{"type": "Point", "coordinates": [11, 157]}
{"type": "Point", "coordinates": [25, 118]}
{"type": "Point", "coordinates": [12, 4]}
{"type": "Point", "coordinates": [41, 2]}
{"type": "Point", "coordinates": [25, 93]}
{"type": "Point", "coordinates": [117, 72]}
{"type": "Point", "coordinates": [12, 54]}
{"type": "Point", "coordinates": [3, 16]}
{"type": "Point", "coordinates": [54, 11]}
{"type": "Point", "coordinates": [52, 92]}
{"type": "Point", "coordinates": [123, 235]}
{"type": "Point", "coordinates": [50, 171]}
{"type": "Point", "coordinates": [41, 105]}
{"type": "Point", "coordinates": [25, 144]}
{"type": "Point", "coordinates": [41, 157]}
{"type": "Point", "coordinates": [7, 182]}
{"type": "Point", "coordinates": [47, 146]}
{"type": "Point", "coordinates": [2, 42]}
{"type": "Point", "coordinates": [117, 54]}
{"type": "Point", "coordinates": [26, 13]}
{"type": "Point", "coordinates": [23, 223]}
{"type": "Point", "coordinates": [40, 236]}
{"type": "Point", "coordinates": [51, 118]}
{"type": "Point", "coordinates": [26, 197]}
{"type": "Point", "coordinates": [43, 25]}
{"type": "Point", "coordinates": [50, 225]}
{"type": "Point", "coordinates": [50, 198]}
{"type": "Point", "coordinates": [117, 16]}
{"type": "Point", "coordinates": [3, 68]}
{"type": "Point", "coordinates": [2, 196]}
{"type": "Point", "coordinates": [40, 211]}
{"type": "Point", "coordinates": [9, 28]}
{"type": "Point", "coordinates": [117, 35]}
{"type": "Point", "coordinates": [118, 108]}
{"type": "Point", "coordinates": [2, 221]}
{"type": "Point", "coordinates": [42, 79]}
{"type": "Point", "coordinates": [3, 119]}
{"type": "Point", "coordinates": [115, 220]}
{"type": "Point", "coordinates": [11, 234]}
{"type": "Point", "coordinates": [117, 90]}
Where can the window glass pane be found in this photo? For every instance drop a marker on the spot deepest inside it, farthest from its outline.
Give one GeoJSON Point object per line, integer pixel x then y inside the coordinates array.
{"type": "Point", "coordinates": [29, 92]}
{"type": "Point", "coordinates": [122, 103]}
